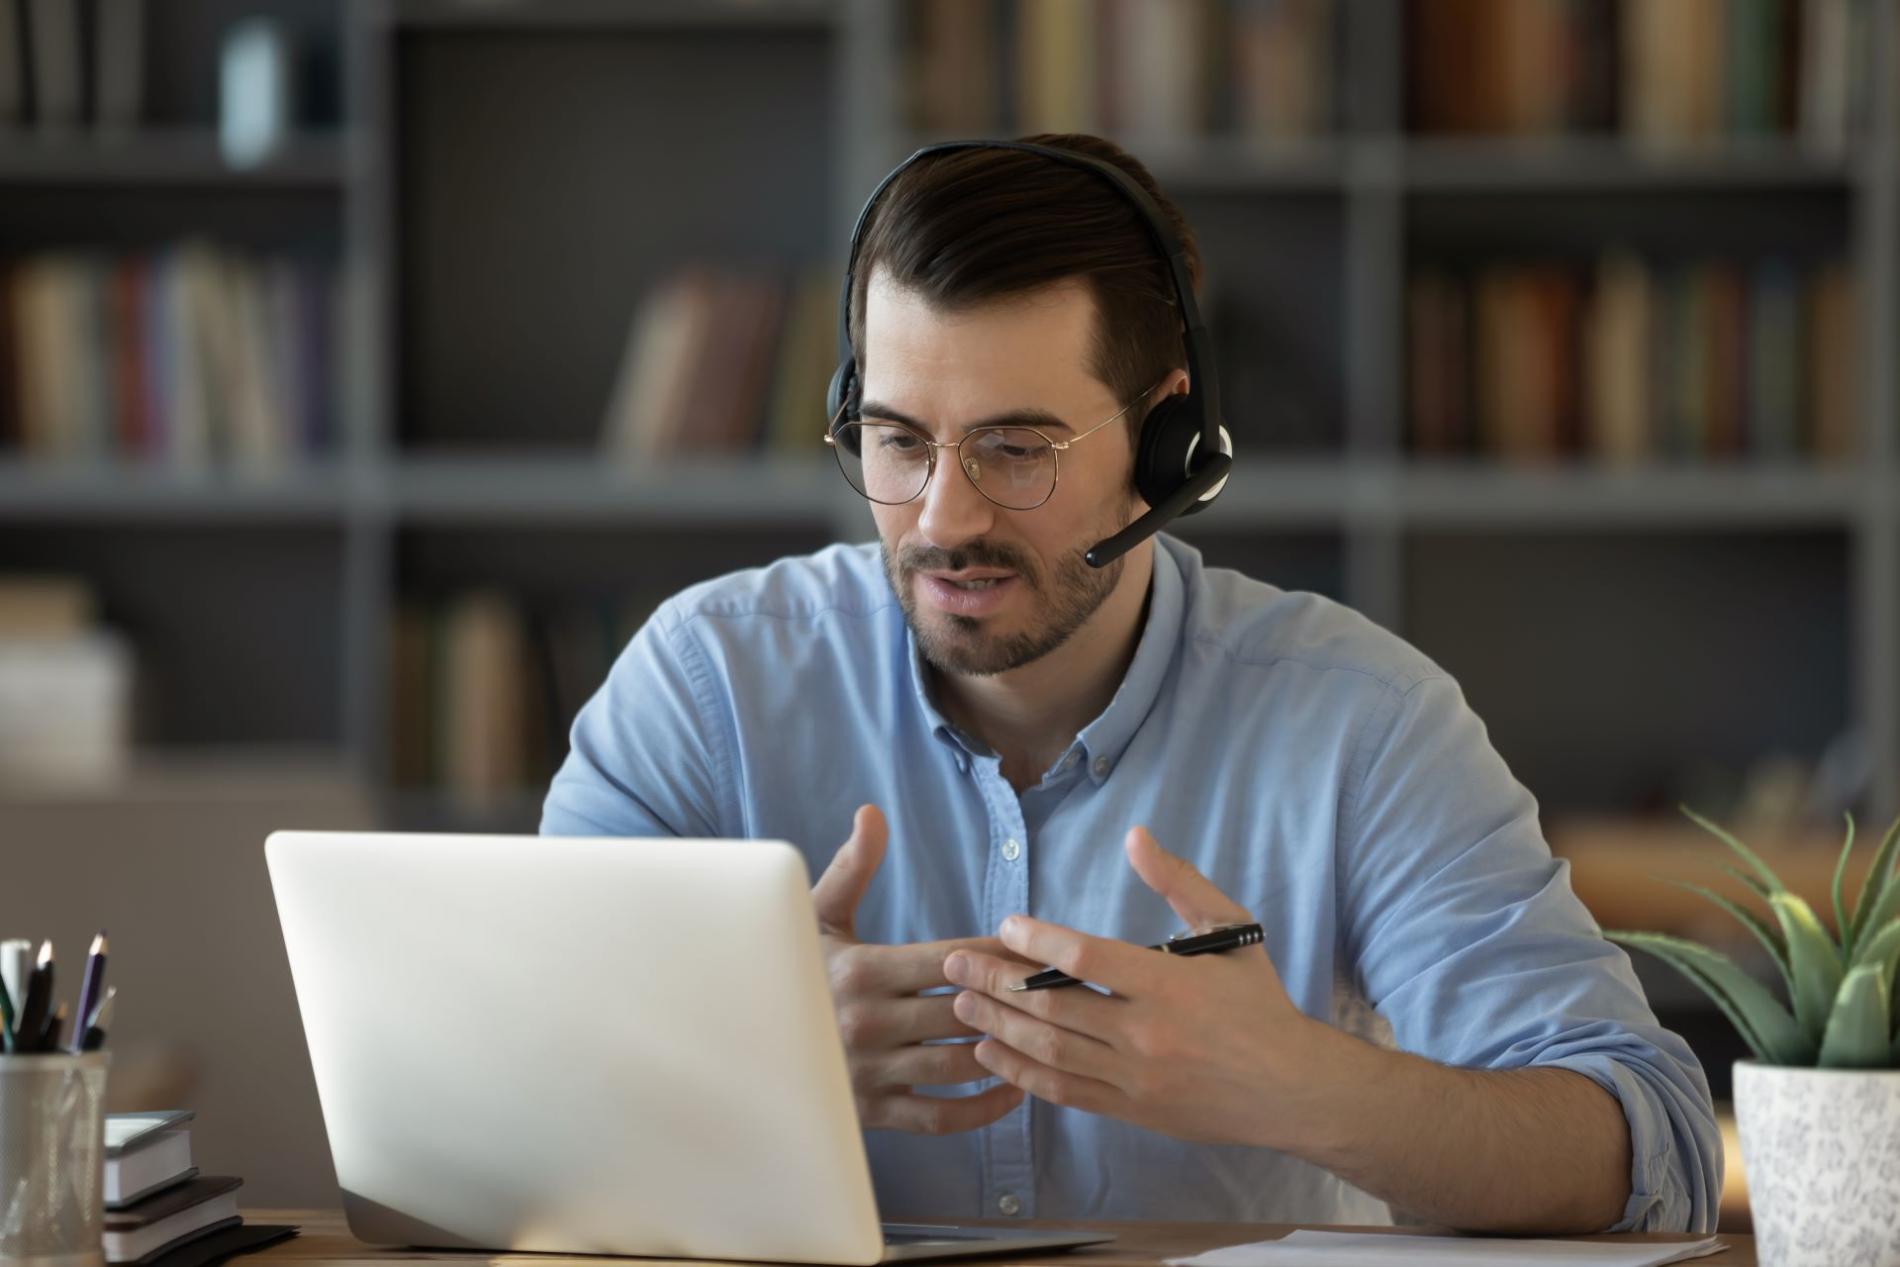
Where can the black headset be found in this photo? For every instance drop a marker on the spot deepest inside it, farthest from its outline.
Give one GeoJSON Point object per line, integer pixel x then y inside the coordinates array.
{"type": "Point", "coordinates": [1183, 454]}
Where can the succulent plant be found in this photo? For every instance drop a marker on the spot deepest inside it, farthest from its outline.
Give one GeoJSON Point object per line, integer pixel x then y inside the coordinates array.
{"type": "Point", "coordinates": [1842, 1010]}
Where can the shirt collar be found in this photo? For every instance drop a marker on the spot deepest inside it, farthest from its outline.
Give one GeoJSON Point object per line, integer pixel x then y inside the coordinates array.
{"type": "Point", "coordinates": [1102, 741]}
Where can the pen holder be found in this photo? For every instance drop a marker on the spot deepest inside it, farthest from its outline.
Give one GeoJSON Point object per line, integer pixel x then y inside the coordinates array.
{"type": "Point", "coordinates": [52, 1159]}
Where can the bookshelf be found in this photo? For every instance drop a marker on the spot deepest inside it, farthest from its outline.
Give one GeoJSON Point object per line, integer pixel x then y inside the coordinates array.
{"type": "Point", "coordinates": [497, 180]}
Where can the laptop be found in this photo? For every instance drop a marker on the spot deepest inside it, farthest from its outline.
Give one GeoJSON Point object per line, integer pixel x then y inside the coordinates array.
{"type": "Point", "coordinates": [586, 1046]}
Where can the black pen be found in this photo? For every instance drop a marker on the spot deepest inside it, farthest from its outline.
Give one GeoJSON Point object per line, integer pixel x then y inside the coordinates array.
{"type": "Point", "coordinates": [1212, 941]}
{"type": "Point", "coordinates": [37, 1005]}
{"type": "Point", "coordinates": [50, 1032]}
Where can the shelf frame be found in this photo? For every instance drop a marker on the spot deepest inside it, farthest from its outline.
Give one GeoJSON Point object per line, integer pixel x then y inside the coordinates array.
{"type": "Point", "coordinates": [1369, 494]}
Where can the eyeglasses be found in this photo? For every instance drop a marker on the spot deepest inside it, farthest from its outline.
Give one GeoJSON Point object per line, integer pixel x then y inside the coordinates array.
{"type": "Point", "coordinates": [891, 463]}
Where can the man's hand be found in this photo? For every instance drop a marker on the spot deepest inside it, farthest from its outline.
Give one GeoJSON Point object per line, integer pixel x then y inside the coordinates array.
{"type": "Point", "coordinates": [880, 1015]}
{"type": "Point", "coordinates": [1202, 1048]}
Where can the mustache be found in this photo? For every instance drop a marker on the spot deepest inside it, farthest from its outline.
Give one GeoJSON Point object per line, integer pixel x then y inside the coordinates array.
{"type": "Point", "coordinates": [974, 554]}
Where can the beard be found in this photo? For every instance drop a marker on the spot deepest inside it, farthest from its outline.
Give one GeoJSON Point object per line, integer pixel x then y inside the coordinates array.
{"type": "Point", "coordinates": [1062, 603]}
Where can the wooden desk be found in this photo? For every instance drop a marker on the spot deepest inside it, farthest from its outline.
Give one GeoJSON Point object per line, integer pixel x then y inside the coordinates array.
{"type": "Point", "coordinates": [326, 1241]}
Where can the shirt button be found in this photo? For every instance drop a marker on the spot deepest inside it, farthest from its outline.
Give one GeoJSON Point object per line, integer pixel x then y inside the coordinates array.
{"type": "Point", "coordinates": [1011, 850]}
{"type": "Point", "coordinates": [1008, 1203]}
{"type": "Point", "coordinates": [1101, 767]}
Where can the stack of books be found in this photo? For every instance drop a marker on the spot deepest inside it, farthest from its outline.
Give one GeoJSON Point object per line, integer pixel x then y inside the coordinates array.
{"type": "Point", "coordinates": [1157, 70]}
{"type": "Point", "coordinates": [185, 355]}
{"type": "Point", "coordinates": [1666, 73]}
{"type": "Point", "coordinates": [157, 1203]}
{"type": "Point", "coordinates": [1634, 360]}
{"type": "Point", "coordinates": [70, 63]}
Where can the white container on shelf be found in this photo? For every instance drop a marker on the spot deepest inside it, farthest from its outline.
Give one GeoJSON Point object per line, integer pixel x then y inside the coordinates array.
{"type": "Point", "coordinates": [65, 709]}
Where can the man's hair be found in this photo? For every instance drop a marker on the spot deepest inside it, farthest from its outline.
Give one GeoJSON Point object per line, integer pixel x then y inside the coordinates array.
{"type": "Point", "coordinates": [968, 227]}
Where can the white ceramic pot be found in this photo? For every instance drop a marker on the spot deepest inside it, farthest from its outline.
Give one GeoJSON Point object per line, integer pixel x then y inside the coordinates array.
{"type": "Point", "coordinates": [1821, 1148]}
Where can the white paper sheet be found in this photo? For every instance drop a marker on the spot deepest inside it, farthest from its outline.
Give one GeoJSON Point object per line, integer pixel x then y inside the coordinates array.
{"type": "Point", "coordinates": [1367, 1249]}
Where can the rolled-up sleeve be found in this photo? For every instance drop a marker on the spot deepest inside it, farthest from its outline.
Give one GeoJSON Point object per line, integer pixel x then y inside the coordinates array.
{"type": "Point", "coordinates": [644, 755]}
{"type": "Point", "coordinates": [1464, 933]}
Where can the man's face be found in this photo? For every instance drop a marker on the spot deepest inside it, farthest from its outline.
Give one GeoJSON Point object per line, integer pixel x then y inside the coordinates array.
{"type": "Point", "coordinates": [987, 589]}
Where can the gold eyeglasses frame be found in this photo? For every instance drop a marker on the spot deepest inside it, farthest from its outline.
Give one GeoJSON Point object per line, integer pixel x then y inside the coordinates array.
{"type": "Point", "coordinates": [930, 463]}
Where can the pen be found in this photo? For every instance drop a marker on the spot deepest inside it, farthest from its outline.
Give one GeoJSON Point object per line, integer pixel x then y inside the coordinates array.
{"type": "Point", "coordinates": [34, 1007]}
{"type": "Point", "coordinates": [6, 1017]}
{"type": "Point", "coordinates": [49, 1036]}
{"type": "Point", "coordinates": [1211, 941]}
{"type": "Point", "coordinates": [89, 986]}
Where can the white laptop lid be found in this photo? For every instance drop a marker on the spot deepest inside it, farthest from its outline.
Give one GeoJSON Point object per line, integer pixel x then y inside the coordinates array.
{"type": "Point", "coordinates": [433, 969]}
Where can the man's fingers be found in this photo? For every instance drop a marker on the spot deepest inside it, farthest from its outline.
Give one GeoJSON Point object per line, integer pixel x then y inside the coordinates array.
{"type": "Point", "coordinates": [1194, 898]}
{"type": "Point", "coordinates": [919, 1065]}
{"type": "Point", "coordinates": [841, 887]}
{"type": "Point", "coordinates": [898, 970]}
{"type": "Point", "coordinates": [931, 1115]}
{"type": "Point", "coordinates": [1103, 960]}
{"type": "Point", "coordinates": [865, 1024]}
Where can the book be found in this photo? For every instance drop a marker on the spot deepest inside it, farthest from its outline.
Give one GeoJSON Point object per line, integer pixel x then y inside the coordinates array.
{"type": "Point", "coordinates": [1618, 336]}
{"type": "Point", "coordinates": [12, 65]}
{"type": "Point", "coordinates": [128, 1131]}
{"type": "Point", "coordinates": [160, 1162]}
{"type": "Point", "coordinates": [219, 1244]}
{"type": "Point", "coordinates": [1774, 360]}
{"type": "Point", "coordinates": [173, 1217]}
{"type": "Point", "coordinates": [118, 77]}
{"type": "Point", "coordinates": [482, 742]}
{"type": "Point", "coordinates": [54, 46]}
{"type": "Point", "coordinates": [1833, 400]}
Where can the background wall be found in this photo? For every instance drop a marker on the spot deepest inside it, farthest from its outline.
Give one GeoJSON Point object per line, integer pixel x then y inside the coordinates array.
{"type": "Point", "coordinates": [1556, 336]}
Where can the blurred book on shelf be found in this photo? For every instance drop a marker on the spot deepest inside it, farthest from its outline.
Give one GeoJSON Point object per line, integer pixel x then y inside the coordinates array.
{"type": "Point", "coordinates": [725, 360]}
{"type": "Point", "coordinates": [1663, 73]}
{"type": "Point", "coordinates": [185, 356]}
{"type": "Point", "coordinates": [1633, 360]}
{"type": "Point", "coordinates": [1259, 69]}
{"type": "Point", "coordinates": [485, 686]}
{"type": "Point", "coordinates": [65, 686]}
{"type": "Point", "coordinates": [66, 64]}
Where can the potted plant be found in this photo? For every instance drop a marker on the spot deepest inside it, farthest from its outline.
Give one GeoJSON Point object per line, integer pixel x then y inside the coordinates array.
{"type": "Point", "coordinates": [1818, 1108]}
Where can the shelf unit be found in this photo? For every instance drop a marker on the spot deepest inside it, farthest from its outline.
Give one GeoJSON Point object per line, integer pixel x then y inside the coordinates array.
{"type": "Point", "coordinates": [1325, 229]}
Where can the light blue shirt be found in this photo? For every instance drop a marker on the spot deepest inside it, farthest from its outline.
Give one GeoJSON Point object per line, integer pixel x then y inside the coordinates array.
{"type": "Point", "coordinates": [1321, 771]}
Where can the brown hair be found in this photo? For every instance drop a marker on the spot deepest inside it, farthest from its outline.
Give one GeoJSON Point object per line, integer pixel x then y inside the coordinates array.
{"type": "Point", "coordinates": [967, 227]}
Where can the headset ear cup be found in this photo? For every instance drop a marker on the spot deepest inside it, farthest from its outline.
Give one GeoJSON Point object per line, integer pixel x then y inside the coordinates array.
{"type": "Point", "coordinates": [834, 394]}
{"type": "Point", "coordinates": [1161, 451]}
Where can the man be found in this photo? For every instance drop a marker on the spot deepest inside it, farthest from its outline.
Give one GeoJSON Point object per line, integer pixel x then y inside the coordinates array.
{"type": "Point", "coordinates": [994, 718]}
